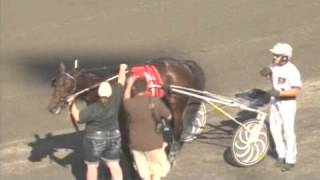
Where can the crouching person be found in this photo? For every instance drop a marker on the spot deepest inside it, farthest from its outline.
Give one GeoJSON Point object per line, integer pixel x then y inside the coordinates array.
{"type": "Point", "coordinates": [146, 142]}
{"type": "Point", "coordinates": [102, 138]}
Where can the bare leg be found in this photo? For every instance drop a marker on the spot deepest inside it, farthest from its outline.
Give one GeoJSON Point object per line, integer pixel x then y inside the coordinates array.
{"type": "Point", "coordinates": [115, 170]}
{"type": "Point", "coordinates": [92, 171]}
{"type": "Point", "coordinates": [177, 105]}
{"type": "Point", "coordinates": [155, 177]}
{"type": "Point", "coordinates": [147, 178]}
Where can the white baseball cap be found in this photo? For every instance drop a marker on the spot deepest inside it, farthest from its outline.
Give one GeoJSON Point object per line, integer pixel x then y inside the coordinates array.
{"type": "Point", "coordinates": [105, 89]}
{"type": "Point", "coordinates": [282, 49]}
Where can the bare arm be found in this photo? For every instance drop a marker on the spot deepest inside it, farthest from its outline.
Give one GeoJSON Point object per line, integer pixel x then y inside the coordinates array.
{"type": "Point", "coordinates": [291, 92]}
{"type": "Point", "coordinates": [122, 74]}
{"type": "Point", "coordinates": [74, 110]}
{"type": "Point", "coordinates": [127, 92]}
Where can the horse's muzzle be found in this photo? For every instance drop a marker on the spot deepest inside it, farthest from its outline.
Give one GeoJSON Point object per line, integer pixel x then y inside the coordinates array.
{"type": "Point", "coordinates": [56, 108]}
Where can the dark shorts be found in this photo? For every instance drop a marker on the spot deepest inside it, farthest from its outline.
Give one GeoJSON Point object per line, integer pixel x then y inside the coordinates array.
{"type": "Point", "coordinates": [105, 145]}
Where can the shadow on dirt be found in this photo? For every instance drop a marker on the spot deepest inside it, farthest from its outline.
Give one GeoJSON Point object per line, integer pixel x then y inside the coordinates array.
{"type": "Point", "coordinates": [51, 146]}
{"type": "Point", "coordinates": [65, 150]}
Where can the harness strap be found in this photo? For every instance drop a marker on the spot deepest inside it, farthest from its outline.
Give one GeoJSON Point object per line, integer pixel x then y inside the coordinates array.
{"type": "Point", "coordinates": [151, 74]}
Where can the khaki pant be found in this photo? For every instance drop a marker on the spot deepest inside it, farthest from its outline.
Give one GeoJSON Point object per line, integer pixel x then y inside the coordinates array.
{"type": "Point", "coordinates": [153, 162]}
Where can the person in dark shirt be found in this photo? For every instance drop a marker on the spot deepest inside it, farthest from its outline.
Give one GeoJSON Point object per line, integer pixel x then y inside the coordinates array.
{"type": "Point", "coordinates": [102, 138]}
{"type": "Point", "coordinates": [146, 143]}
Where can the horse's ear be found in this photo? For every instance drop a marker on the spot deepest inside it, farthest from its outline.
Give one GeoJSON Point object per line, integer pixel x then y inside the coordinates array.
{"type": "Point", "coordinates": [62, 68]}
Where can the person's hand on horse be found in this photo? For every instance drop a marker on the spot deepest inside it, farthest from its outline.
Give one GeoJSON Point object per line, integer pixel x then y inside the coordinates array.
{"type": "Point", "coordinates": [122, 74]}
{"type": "Point", "coordinates": [123, 66]}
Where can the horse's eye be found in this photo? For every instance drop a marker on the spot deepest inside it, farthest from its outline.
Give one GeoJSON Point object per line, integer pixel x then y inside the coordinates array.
{"type": "Point", "coordinates": [53, 82]}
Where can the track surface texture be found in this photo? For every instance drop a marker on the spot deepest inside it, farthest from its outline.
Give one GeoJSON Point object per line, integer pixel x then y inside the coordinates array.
{"type": "Point", "coordinates": [229, 39]}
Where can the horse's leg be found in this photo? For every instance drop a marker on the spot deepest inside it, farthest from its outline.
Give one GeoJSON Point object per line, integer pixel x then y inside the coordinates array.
{"type": "Point", "coordinates": [177, 104]}
{"type": "Point", "coordinates": [189, 117]}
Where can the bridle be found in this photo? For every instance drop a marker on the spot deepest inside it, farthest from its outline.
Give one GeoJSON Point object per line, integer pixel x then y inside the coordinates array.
{"type": "Point", "coordinates": [74, 93]}
{"type": "Point", "coordinates": [74, 82]}
{"type": "Point", "coordinates": [63, 99]}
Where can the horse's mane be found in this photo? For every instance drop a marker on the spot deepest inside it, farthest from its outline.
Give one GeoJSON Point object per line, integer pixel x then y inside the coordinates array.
{"type": "Point", "coordinates": [194, 67]}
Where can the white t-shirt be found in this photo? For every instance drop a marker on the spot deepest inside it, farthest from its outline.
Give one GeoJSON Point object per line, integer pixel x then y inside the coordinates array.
{"type": "Point", "coordinates": [285, 77]}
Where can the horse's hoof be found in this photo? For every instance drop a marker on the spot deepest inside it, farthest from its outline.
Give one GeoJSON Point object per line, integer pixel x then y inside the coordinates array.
{"type": "Point", "coordinates": [173, 163]}
{"type": "Point", "coordinates": [172, 157]}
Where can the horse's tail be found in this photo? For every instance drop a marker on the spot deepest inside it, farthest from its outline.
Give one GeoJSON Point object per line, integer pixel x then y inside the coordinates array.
{"type": "Point", "coordinates": [192, 126]}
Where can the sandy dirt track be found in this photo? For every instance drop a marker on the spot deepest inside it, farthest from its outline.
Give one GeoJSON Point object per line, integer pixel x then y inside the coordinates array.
{"type": "Point", "coordinates": [229, 39]}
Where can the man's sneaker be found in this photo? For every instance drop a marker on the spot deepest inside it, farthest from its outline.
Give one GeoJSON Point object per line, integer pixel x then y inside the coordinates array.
{"type": "Point", "coordinates": [287, 167]}
{"type": "Point", "coordinates": [279, 162]}
{"type": "Point", "coordinates": [189, 138]}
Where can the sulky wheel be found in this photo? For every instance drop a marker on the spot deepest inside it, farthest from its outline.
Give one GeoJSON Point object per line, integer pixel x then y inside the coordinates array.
{"type": "Point", "coordinates": [250, 148]}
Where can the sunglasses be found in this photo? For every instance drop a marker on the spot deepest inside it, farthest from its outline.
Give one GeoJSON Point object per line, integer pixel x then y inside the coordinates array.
{"type": "Point", "coordinates": [277, 55]}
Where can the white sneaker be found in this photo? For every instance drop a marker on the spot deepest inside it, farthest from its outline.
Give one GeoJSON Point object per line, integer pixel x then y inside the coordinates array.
{"type": "Point", "coordinates": [189, 138]}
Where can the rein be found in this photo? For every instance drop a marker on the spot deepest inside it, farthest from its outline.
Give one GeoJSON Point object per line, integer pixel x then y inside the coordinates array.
{"type": "Point", "coordinates": [74, 123]}
{"type": "Point", "coordinates": [103, 68]}
{"type": "Point", "coordinates": [95, 85]}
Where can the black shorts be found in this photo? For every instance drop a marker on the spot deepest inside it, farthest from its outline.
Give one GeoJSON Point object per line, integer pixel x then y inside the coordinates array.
{"type": "Point", "coordinates": [105, 145]}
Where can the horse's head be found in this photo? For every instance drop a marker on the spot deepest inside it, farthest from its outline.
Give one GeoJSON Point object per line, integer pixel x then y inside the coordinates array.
{"type": "Point", "coordinates": [64, 85]}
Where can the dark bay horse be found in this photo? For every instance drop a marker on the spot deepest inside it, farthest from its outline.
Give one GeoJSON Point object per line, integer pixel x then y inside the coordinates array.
{"type": "Point", "coordinates": [175, 72]}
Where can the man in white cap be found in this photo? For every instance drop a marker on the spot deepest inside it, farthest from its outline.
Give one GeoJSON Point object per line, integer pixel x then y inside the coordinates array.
{"type": "Point", "coordinates": [286, 86]}
{"type": "Point", "coordinates": [102, 138]}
